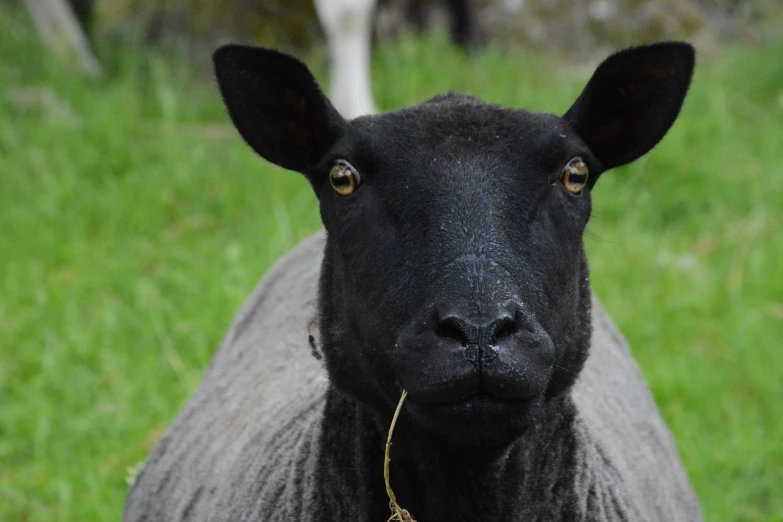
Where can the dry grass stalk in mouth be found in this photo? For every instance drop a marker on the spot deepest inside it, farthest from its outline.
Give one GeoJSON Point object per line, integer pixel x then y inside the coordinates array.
{"type": "Point", "coordinates": [398, 514]}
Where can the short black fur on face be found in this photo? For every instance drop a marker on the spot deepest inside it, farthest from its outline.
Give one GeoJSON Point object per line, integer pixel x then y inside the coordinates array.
{"type": "Point", "coordinates": [457, 269]}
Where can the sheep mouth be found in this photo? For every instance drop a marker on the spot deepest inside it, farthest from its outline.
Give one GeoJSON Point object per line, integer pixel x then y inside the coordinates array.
{"type": "Point", "coordinates": [479, 405]}
{"type": "Point", "coordinates": [483, 401]}
{"type": "Point", "coordinates": [483, 397]}
{"type": "Point", "coordinates": [478, 420]}
{"type": "Point", "coordinates": [497, 386]}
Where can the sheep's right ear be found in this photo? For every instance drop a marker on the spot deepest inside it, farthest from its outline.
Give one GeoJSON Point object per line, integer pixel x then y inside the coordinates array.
{"type": "Point", "coordinates": [277, 107]}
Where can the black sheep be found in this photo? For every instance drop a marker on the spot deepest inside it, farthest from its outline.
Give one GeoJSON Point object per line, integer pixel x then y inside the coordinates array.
{"type": "Point", "coordinates": [452, 267]}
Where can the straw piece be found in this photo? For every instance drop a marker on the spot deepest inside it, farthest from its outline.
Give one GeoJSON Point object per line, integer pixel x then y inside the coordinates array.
{"type": "Point", "coordinates": [398, 514]}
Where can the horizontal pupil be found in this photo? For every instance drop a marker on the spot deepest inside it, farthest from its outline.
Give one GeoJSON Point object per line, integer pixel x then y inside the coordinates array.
{"type": "Point", "coordinates": [577, 178]}
{"type": "Point", "coordinates": [341, 181]}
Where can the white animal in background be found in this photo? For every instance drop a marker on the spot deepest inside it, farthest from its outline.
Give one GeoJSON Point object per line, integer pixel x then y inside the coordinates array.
{"type": "Point", "coordinates": [348, 27]}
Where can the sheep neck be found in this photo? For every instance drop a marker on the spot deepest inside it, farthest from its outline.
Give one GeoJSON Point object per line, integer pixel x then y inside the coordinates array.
{"type": "Point", "coordinates": [434, 483]}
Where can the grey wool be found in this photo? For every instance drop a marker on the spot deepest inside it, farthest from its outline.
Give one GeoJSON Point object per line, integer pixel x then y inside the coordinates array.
{"type": "Point", "coordinates": [247, 446]}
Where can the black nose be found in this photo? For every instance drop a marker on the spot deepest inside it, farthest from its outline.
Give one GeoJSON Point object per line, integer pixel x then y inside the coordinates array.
{"type": "Point", "coordinates": [477, 333]}
{"type": "Point", "coordinates": [467, 348]}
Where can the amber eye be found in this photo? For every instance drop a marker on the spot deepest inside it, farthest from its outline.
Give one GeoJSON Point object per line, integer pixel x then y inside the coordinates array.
{"type": "Point", "coordinates": [575, 176]}
{"type": "Point", "coordinates": [344, 178]}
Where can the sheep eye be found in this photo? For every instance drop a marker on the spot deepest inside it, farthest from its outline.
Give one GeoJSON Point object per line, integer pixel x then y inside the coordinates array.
{"type": "Point", "coordinates": [575, 176]}
{"type": "Point", "coordinates": [344, 178]}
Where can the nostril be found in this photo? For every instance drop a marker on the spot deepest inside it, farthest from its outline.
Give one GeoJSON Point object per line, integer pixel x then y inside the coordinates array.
{"type": "Point", "coordinates": [504, 327]}
{"type": "Point", "coordinates": [455, 328]}
{"type": "Point", "coordinates": [452, 328]}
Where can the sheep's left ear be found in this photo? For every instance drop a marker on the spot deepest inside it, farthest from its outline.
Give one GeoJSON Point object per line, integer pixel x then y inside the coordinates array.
{"type": "Point", "coordinates": [278, 107]}
{"type": "Point", "coordinates": [632, 100]}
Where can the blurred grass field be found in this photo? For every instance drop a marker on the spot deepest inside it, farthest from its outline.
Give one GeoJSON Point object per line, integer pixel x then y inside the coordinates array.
{"type": "Point", "coordinates": [134, 221]}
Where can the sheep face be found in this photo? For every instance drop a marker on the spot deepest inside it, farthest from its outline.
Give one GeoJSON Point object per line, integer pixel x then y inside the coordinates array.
{"type": "Point", "coordinates": [455, 269]}
{"type": "Point", "coordinates": [454, 265]}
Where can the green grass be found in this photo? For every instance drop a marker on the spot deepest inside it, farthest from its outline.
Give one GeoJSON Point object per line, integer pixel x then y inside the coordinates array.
{"type": "Point", "coordinates": [133, 222]}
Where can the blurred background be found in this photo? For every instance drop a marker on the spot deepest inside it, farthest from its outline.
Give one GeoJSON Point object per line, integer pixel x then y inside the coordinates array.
{"type": "Point", "coordinates": [134, 221]}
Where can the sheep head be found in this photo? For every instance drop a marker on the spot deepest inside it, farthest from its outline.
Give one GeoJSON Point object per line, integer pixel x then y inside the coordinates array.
{"type": "Point", "coordinates": [454, 264]}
